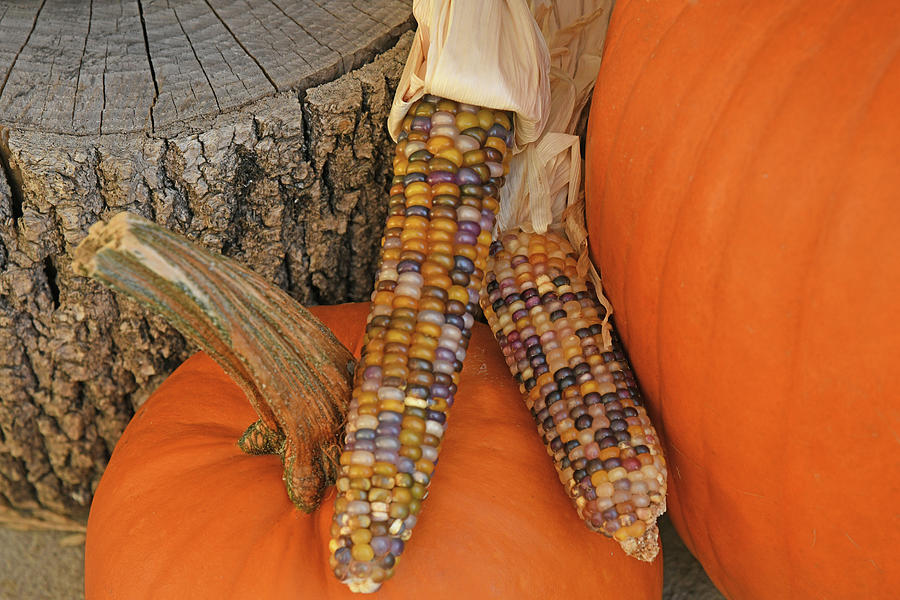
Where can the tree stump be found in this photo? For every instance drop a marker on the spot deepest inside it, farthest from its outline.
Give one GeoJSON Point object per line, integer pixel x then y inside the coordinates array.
{"type": "Point", "coordinates": [255, 127]}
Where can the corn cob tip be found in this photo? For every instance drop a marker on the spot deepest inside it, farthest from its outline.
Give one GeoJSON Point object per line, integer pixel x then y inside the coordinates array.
{"type": "Point", "coordinates": [644, 547]}
{"type": "Point", "coordinates": [362, 585]}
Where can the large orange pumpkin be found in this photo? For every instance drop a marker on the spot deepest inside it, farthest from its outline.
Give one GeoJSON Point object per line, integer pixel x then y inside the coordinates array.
{"type": "Point", "coordinates": [182, 513]}
{"type": "Point", "coordinates": [743, 182]}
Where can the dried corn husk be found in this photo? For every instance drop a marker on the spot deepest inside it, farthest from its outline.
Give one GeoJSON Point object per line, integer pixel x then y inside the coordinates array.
{"type": "Point", "coordinates": [538, 58]}
{"type": "Point", "coordinates": [544, 187]}
{"type": "Point", "coordinates": [545, 177]}
{"type": "Point", "coordinates": [484, 53]}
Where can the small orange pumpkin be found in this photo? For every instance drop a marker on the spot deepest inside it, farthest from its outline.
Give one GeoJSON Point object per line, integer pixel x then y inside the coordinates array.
{"type": "Point", "coordinates": [743, 177]}
{"type": "Point", "coordinates": [181, 512]}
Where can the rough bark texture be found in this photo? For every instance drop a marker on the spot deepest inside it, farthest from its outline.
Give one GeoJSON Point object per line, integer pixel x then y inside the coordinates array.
{"type": "Point", "coordinates": [229, 122]}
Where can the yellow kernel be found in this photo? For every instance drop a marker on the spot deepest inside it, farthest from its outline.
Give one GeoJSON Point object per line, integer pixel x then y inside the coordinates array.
{"type": "Point", "coordinates": [437, 143]}
{"type": "Point", "coordinates": [445, 224]}
{"type": "Point", "coordinates": [401, 495]}
{"type": "Point", "coordinates": [418, 166]}
{"type": "Point", "coordinates": [466, 120]}
{"type": "Point", "coordinates": [385, 468]}
{"type": "Point", "coordinates": [392, 405]}
{"type": "Point", "coordinates": [361, 536]}
{"type": "Point", "coordinates": [405, 302]}
{"type": "Point", "coordinates": [416, 188]}
{"type": "Point", "coordinates": [357, 471]}
{"type": "Point", "coordinates": [485, 118]}
{"type": "Point", "coordinates": [362, 552]}
{"type": "Point", "coordinates": [500, 146]}
{"type": "Point", "coordinates": [599, 477]}
{"type": "Point", "coordinates": [608, 453]}
{"type": "Point", "coordinates": [454, 156]}
{"type": "Point", "coordinates": [634, 530]}
{"type": "Point", "coordinates": [416, 245]}
{"type": "Point", "coordinates": [445, 249]}
{"type": "Point", "coordinates": [458, 293]}
{"type": "Point", "coordinates": [429, 329]}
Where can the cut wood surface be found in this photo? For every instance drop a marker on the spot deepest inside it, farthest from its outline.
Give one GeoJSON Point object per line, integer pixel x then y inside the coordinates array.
{"type": "Point", "coordinates": [254, 127]}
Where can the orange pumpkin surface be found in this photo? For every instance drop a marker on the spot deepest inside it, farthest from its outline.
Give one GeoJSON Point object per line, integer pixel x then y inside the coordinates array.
{"type": "Point", "coordinates": [181, 512]}
{"type": "Point", "coordinates": [743, 179]}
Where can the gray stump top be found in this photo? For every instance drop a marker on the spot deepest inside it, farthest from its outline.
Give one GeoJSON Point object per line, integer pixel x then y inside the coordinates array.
{"type": "Point", "coordinates": [112, 66]}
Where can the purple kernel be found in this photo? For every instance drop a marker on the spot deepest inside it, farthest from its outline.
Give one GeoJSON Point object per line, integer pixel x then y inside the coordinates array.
{"type": "Point", "coordinates": [470, 226]}
{"type": "Point", "coordinates": [389, 416]}
{"type": "Point", "coordinates": [343, 555]}
{"type": "Point", "coordinates": [388, 429]}
{"type": "Point", "coordinates": [386, 455]}
{"type": "Point", "coordinates": [381, 545]}
{"type": "Point", "coordinates": [396, 546]}
{"type": "Point", "coordinates": [607, 442]}
{"type": "Point", "coordinates": [498, 131]}
{"type": "Point", "coordinates": [467, 176]}
{"type": "Point", "coordinates": [421, 124]}
{"type": "Point", "coordinates": [466, 237]}
{"type": "Point", "coordinates": [408, 265]}
{"type": "Point", "coordinates": [435, 415]}
{"type": "Point", "coordinates": [611, 463]}
{"type": "Point", "coordinates": [441, 177]}
{"type": "Point", "coordinates": [631, 464]}
{"type": "Point", "coordinates": [463, 264]}
{"type": "Point", "coordinates": [413, 178]}
{"type": "Point", "coordinates": [444, 355]}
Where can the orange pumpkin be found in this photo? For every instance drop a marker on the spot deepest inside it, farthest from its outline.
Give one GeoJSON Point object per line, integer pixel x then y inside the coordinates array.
{"type": "Point", "coordinates": [743, 178]}
{"type": "Point", "coordinates": [182, 513]}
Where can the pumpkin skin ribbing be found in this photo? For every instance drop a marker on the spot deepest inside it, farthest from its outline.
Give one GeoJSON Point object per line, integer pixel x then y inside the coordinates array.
{"type": "Point", "coordinates": [742, 185]}
{"type": "Point", "coordinates": [181, 512]}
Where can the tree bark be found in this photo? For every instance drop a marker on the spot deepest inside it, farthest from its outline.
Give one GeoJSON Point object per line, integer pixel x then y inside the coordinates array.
{"type": "Point", "coordinates": [241, 124]}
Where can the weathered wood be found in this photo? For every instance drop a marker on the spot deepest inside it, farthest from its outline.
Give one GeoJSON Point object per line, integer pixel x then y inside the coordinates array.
{"type": "Point", "coordinates": [238, 123]}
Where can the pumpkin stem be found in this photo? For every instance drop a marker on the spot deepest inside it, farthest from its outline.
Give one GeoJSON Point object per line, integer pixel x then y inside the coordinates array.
{"type": "Point", "coordinates": [259, 440]}
{"type": "Point", "coordinates": [295, 373]}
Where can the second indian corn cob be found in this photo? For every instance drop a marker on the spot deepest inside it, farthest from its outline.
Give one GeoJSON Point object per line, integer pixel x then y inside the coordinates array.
{"type": "Point", "coordinates": [583, 396]}
{"type": "Point", "coordinates": [449, 164]}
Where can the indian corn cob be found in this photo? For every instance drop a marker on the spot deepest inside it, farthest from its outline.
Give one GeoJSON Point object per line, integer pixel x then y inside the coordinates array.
{"type": "Point", "coordinates": [583, 397]}
{"type": "Point", "coordinates": [449, 164]}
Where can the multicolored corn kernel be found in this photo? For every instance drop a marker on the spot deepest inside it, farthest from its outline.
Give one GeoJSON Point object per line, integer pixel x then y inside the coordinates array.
{"type": "Point", "coordinates": [583, 396]}
{"type": "Point", "coordinates": [449, 165]}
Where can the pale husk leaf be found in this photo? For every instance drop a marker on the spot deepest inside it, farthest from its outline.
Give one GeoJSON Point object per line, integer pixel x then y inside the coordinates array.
{"type": "Point", "coordinates": [488, 54]}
